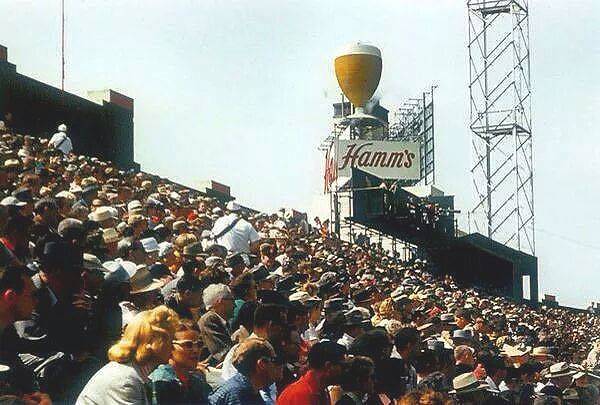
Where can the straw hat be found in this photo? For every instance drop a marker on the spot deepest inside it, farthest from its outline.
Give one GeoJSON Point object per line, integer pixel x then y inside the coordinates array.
{"type": "Point", "coordinates": [561, 369]}
{"type": "Point", "coordinates": [542, 351]}
{"type": "Point", "coordinates": [512, 351]}
{"type": "Point", "coordinates": [466, 383]}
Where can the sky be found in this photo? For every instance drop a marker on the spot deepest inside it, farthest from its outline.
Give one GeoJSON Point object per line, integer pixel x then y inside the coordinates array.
{"type": "Point", "coordinates": [241, 91]}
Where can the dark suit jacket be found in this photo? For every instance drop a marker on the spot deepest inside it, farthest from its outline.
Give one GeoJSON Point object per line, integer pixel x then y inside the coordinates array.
{"type": "Point", "coordinates": [215, 334]}
{"type": "Point", "coordinates": [55, 326]}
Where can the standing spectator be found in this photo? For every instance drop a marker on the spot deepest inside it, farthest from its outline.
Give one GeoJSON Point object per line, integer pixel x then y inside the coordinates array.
{"type": "Point", "coordinates": [325, 361]}
{"type": "Point", "coordinates": [257, 368]}
{"type": "Point", "coordinates": [61, 141]}
{"type": "Point", "coordinates": [234, 232]}
{"type": "Point", "coordinates": [213, 324]}
{"type": "Point", "coordinates": [145, 344]}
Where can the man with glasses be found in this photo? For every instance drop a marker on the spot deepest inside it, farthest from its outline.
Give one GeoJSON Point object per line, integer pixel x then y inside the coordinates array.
{"type": "Point", "coordinates": [257, 367]}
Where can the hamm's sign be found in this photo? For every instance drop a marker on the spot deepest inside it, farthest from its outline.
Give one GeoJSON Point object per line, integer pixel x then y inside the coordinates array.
{"type": "Point", "coordinates": [384, 159]}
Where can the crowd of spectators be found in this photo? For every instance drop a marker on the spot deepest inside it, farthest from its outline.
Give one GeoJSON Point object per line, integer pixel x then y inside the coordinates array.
{"type": "Point", "coordinates": [120, 287]}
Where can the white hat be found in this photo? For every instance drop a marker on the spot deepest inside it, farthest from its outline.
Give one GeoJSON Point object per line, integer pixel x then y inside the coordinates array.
{"type": "Point", "coordinates": [11, 201]}
{"type": "Point", "coordinates": [467, 382]}
{"type": "Point", "coordinates": [178, 225]}
{"type": "Point", "coordinates": [121, 227]}
{"type": "Point", "coordinates": [75, 188]}
{"type": "Point", "coordinates": [215, 293]}
{"type": "Point", "coordinates": [102, 214]}
{"type": "Point", "coordinates": [164, 248]}
{"type": "Point", "coordinates": [67, 195]}
{"type": "Point", "coordinates": [130, 267]}
{"type": "Point", "coordinates": [150, 245]}
{"type": "Point", "coordinates": [62, 128]}
{"type": "Point", "coordinates": [134, 205]}
{"type": "Point", "coordinates": [116, 272]}
{"type": "Point", "coordinates": [232, 206]}
{"type": "Point", "coordinates": [303, 297]}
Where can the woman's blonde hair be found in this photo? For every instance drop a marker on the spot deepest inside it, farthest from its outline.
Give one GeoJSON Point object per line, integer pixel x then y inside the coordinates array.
{"type": "Point", "coordinates": [146, 334]}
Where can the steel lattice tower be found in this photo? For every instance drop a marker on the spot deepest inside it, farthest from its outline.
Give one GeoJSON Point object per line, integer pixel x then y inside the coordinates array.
{"type": "Point", "coordinates": [500, 121]}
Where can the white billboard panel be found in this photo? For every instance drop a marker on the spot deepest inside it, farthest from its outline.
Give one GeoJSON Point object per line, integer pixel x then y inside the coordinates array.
{"type": "Point", "coordinates": [384, 159]}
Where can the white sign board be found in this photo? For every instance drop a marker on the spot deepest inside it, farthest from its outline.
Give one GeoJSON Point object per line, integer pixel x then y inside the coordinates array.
{"type": "Point", "coordinates": [384, 159]}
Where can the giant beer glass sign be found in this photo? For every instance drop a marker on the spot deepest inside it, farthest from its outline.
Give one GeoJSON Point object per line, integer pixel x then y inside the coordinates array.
{"type": "Point", "coordinates": [358, 70]}
{"type": "Point", "coordinates": [384, 159]}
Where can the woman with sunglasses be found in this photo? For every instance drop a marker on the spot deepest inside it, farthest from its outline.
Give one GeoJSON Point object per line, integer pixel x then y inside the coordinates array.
{"type": "Point", "coordinates": [181, 381]}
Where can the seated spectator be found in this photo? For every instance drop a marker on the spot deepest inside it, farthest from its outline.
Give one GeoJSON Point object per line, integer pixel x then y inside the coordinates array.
{"type": "Point", "coordinates": [215, 333]}
{"type": "Point", "coordinates": [325, 361]}
{"type": "Point", "coordinates": [243, 288]}
{"type": "Point", "coordinates": [464, 358]}
{"type": "Point", "coordinates": [357, 381]}
{"type": "Point", "coordinates": [188, 297]}
{"type": "Point", "coordinates": [257, 368]}
{"type": "Point", "coordinates": [16, 303]}
{"type": "Point", "coordinates": [181, 381]}
{"type": "Point", "coordinates": [146, 343]}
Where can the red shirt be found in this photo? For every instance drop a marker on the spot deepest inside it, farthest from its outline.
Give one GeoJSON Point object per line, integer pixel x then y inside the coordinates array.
{"type": "Point", "coordinates": [305, 391]}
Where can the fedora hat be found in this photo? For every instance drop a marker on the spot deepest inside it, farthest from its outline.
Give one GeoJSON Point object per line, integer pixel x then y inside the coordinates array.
{"type": "Point", "coordinates": [512, 351]}
{"type": "Point", "coordinates": [466, 383]}
{"type": "Point", "coordinates": [542, 351]}
{"type": "Point", "coordinates": [561, 369]}
{"type": "Point", "coordinates": [142, 281]}
{"type": "Point", "coordinates": [110, 235]}
{"type": "Point", "coordinates": [102, 214]}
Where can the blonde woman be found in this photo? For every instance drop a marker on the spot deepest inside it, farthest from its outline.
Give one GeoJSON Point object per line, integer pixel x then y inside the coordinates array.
{"type": "Point", "coordinates": [146, 343]}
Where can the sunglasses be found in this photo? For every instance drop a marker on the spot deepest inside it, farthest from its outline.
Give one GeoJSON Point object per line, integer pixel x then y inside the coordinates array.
{"type": "Point", "coordinates": [188, 344]}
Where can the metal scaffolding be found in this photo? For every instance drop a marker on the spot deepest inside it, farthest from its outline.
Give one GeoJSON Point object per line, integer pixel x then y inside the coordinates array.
{"type": "Point", "coordinates": [413, 122]}
{"type": "Point", "coordinates": [500, 121]}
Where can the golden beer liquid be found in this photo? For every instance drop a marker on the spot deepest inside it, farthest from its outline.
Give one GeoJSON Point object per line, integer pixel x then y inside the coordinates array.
{"type": "Point", "coordinates": [358, 76]}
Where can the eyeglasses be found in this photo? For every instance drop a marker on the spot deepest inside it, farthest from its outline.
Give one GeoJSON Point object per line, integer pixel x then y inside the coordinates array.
{"type": "Point", "coordinates": [188, 344]}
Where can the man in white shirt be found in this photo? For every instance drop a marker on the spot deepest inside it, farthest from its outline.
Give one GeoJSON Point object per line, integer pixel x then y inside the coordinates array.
{"type": "Point", "coordinates": [61, 140]}
{"type": "Point", "coordinates": [234, 232]}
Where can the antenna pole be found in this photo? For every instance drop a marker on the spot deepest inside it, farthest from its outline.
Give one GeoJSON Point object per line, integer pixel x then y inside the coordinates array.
{"type": "Point", "coordinates": [62, 9]}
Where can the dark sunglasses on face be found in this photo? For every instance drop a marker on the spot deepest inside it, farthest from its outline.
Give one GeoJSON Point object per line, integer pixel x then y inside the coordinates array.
{"type": "Point", "coordinates": [188, 344]}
